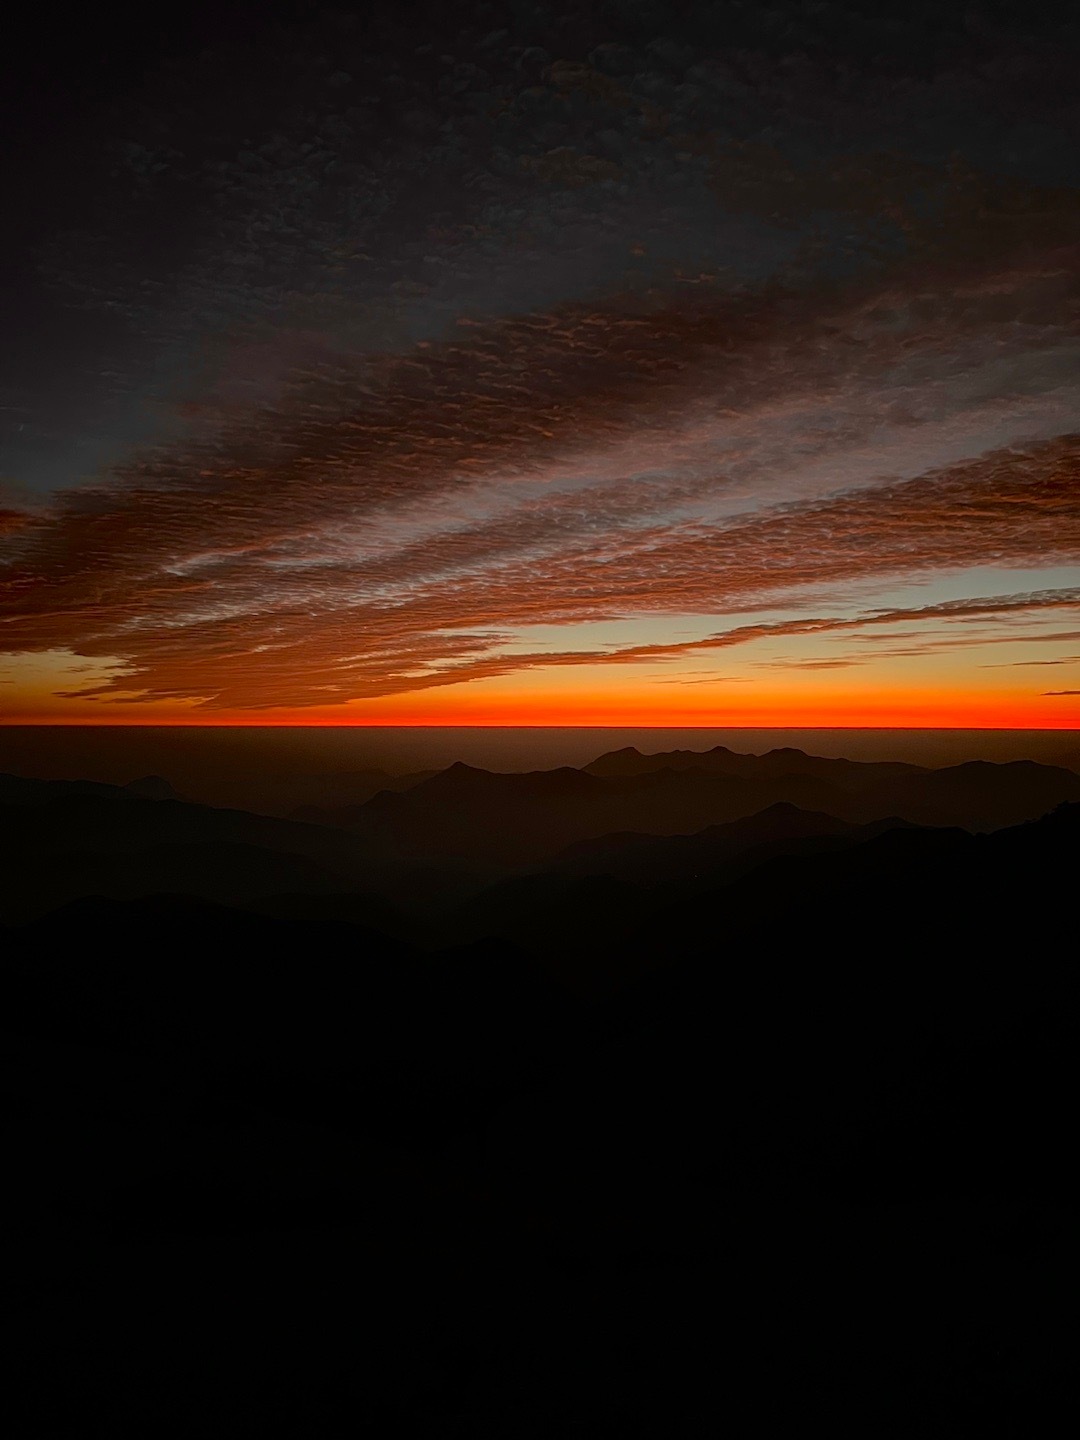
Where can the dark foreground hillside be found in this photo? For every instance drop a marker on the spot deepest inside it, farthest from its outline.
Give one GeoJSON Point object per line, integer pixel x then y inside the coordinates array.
{"type": "Point", "coordinates": [799, 1153]}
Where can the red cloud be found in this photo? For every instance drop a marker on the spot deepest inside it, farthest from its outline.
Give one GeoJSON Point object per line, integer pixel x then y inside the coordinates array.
{"type": "Point", "coordinates": [337, 546]}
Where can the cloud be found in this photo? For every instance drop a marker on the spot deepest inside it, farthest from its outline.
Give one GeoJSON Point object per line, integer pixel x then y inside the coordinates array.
{"type": "Point", "coordinates": [237, 581]}
{"type": "Point", "coordinates": [1061, 692]}
{"type": "Point", "coordinates": [698, 679]}
{"type": "Point", "coordinates": [642, 316]}
{"type": "Point", "coordinates": [242, 245]}
{"type": "Point", "coordinates": [1021, 664]}
{"type": "Point", "coordinates": [386, 523]}
{"type": "Point", "coordinates": [838, 663]}
{"type": "Point", "coordinates": [996, 606]}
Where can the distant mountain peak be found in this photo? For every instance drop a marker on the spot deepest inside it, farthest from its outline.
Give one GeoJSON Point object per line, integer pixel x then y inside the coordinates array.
{"type": "Point", "coordinates": [151, 787]}
{"type": "Point", "coordinates": [453, 776]}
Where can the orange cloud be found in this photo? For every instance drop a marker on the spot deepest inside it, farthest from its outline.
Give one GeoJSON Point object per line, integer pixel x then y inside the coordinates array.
{"type": "Point", "coordinates": [390, 522]}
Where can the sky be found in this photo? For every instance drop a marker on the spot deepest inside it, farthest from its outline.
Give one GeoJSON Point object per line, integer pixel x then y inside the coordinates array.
{"type": "Point", "coordinates": [514, 364]}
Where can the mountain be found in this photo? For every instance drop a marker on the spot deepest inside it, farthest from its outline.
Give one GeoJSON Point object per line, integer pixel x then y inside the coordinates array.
{"type": "Point", "coordinates": [469, 817]}
{"type": "Point", "coordinates": [61, 840]}
{"type": "Point", "coordinates": [722, 761]}
{"type": "Point", "coordinates": [340, 795]}
{"type": "Point", "coordinates": [603, 910]}
{"type": "Point", "coordinates": [902, 896]}
{"type": "Point", "coordinates": [652, 860]}
{"type": "Point", "coordinates": [330, 1005]}
{"type": "Point", "coordinates": [979, 795]}
{"type": "Point", "coordinates": [806, 1105]}
{"type": "Point", "coordinates": [447, 836]}
{"type": "Point", "coordinates": [21, 790]}
{"type": "Point", "coordinates": [211, 869]}
{"type": "Point", "coordinates": [514, 820]}
{"type": "Point", "coordinates": [151, 787]}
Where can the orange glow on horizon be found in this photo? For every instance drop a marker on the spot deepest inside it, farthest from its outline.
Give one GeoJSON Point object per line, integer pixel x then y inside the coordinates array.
{"type": "Point", "coordinates": [888, 712]}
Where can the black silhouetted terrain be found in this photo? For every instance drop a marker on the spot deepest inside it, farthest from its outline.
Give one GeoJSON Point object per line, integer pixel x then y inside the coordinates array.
{"type": "Point", "coordinates": [740, 1128]}
{"type": "Point", "coordinates": [722, 761]}
{"type": "Point", "coordinates": [62, 840]}
{"type": "Point", "coordinates": [151, 787]}
{"type": "Point", "coordinates": [343, 794]}
{"type": "Point", "coordinates": [978, 794]}
{"type": "Point", "coordinates": [447, 836]}
{"type": "Point", "coordinates": [519, 819]}
{"type": "Point", "coordinates": [651, 860]}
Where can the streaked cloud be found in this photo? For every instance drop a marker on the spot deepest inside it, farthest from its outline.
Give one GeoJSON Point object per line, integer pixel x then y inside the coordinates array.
{"type": "Point", "coordinates": [623, 324]}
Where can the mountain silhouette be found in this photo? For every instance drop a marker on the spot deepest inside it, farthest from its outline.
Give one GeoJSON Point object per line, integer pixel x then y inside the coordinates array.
{"type": "Point", "coordinates": [605, 1102]}
{"type": "Point", "coordinates": [722, 761]}
{"type": "Point", "coordinates": [977, 794]}
{"type": "Point", "coordinates": [341, 794]}
{"type": "Point", "coordinates": [444, 837]}
{"type": "Point", "coordinates": [512, 820]}
{"type": "Point", "coordinates": [22, 790]}
{"type": "Point", "coordinates": [650, 859]}
{"type": "Point", "coordinates": [151, 787]}
{"type": "Point", "coordinates": [61, 840]}
{"type": "Point", "coordinates": [519, 820]}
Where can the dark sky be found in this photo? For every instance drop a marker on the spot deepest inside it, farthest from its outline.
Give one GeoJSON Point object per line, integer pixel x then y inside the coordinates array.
{"type": "Point", "coordinates": [357, 355]}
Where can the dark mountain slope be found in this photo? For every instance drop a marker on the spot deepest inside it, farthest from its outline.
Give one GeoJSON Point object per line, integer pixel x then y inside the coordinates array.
{"type": "Point", "coordinates": [518, 820]}
{"type": "Point", "coordinates": [473, 817]}
{"type": "Point", "coordinates": [722, 761]}
{"type": "Point", "coordinates": [342, 794]}
{"type": "Point", "coordinates": [826, 1129]}
{"type": "Point", "coordinates": [448, 835]}
{"type": "Point", "coordinates": [59, 842]}
{"type": "Point", "coordinates": [223, 870]}
{"type": "Point", "coordinates": [272, 1001]}
{"type": "Point", "coordinates": [651, 860]}
{"type": "Point", "coordinates": [982, 795]}
{"type": "Point", "coordinates": [979, 795]}
{"type": "Point", "coordinates": [152, 787]}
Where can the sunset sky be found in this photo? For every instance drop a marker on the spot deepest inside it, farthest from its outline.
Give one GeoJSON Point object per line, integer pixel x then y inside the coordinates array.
{"type": "Point", "coordinates": [622, 363]}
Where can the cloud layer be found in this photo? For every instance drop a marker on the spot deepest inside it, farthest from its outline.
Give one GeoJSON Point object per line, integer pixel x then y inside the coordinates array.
{"type": "Point", "coordinates": [372, 350]}
{"type": "Point", "coordinates": [244, 605]}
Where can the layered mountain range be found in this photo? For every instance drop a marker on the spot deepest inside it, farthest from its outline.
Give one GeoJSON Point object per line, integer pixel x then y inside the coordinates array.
{"type": "Point", "coordinates": [609, 1062]}
{"type": "Point", "coordinates": [680, 819]}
